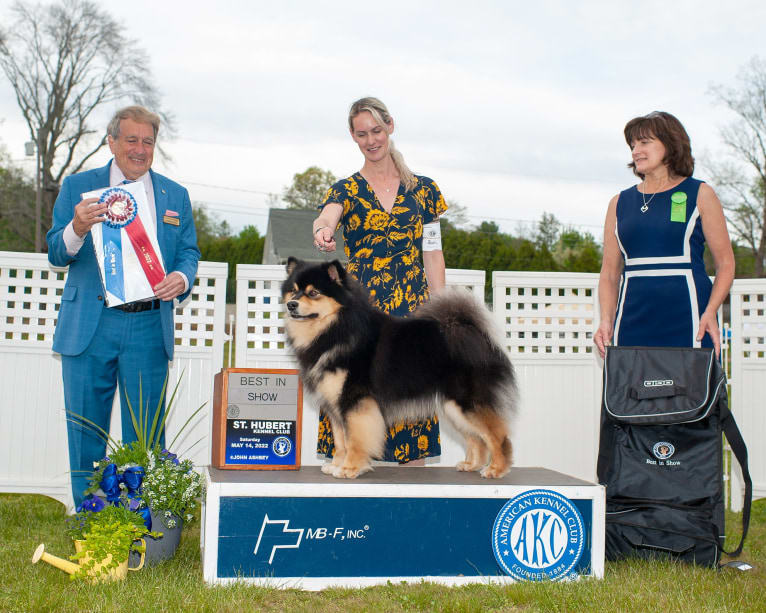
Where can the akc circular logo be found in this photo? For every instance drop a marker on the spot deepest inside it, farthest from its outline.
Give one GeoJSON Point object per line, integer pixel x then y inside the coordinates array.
{"type": "Point", "coordinates": [281, 446]}
{"type": "Point", "coordinates": [538, 535]}
{"type": "Point", "coordinates": [663, 450]}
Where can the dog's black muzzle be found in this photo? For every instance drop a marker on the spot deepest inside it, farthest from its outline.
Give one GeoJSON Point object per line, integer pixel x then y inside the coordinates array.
{"type": "Point", "coordinates": [292, 311]}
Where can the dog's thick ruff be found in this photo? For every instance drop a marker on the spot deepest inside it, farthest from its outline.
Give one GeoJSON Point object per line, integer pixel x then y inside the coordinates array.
{"type": "Point", "coordinates": [371, 370]}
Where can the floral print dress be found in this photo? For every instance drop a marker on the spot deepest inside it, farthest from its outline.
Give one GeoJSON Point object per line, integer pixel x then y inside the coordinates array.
{"type": "Point", "coordinates": [384, 254]}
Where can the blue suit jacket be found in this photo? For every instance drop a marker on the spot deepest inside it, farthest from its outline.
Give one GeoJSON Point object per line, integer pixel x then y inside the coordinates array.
{"type": "Point", "coordinates": [82, 301]}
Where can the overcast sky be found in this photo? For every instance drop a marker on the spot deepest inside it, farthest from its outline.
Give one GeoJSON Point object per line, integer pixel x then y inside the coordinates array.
{"type": "Point", "coordinates": [514, 108]}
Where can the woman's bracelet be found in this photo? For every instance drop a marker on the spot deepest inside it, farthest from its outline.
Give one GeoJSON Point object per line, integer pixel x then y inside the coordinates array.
{"type": "Point", "coordinates": [320, 228]}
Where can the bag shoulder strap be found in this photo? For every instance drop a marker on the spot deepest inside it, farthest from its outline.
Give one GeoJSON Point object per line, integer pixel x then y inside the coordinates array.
{"type": "Point", "coordinates": [737, 444]}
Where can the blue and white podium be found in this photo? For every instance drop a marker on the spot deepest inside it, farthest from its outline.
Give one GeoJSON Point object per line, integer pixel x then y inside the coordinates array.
{"type": "Point", "coordinates": [304, 529]}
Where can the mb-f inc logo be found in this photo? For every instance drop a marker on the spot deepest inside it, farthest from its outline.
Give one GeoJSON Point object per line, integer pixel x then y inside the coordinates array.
{"type": "Point", "coordinates": [276, 535]}
{"type": "Point", "coordinates": [538, 535]}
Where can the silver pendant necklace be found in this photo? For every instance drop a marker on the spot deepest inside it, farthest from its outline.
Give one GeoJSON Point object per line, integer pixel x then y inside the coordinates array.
{"type": "Point", "coordinates": [645, 208]}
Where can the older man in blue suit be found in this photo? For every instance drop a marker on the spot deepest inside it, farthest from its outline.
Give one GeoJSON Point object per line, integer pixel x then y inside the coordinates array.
{"type": "Point", "coordinates": [99, 345]}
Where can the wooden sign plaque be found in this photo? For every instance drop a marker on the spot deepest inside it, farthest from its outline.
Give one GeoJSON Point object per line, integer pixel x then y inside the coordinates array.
{"type": "Point", "coordinates": [257, 416]}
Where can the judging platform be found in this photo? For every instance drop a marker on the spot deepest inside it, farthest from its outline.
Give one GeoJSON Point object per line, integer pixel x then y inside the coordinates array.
{"type": "Point", "coordinates": [304, 529]}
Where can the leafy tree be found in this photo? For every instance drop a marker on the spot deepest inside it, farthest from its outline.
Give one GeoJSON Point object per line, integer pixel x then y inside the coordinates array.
{"type": "Point", "coordinates": [486, 248]}
{"type": "Point", "coordinates": [65, 61]}
{"type": "Point", "coordinates": [245, 248]}
{"type": "Point", "coordinates": [576, 252]}
{"type": "Point", "coordinates": [208, 226]}
{"type": "Point", "coordinates": [548, 229]}
{"type": "Point", "coordinates": [308, 188]}
{"type": "Point", "coordinates": [741, 180]}
{"type": "Point", "coordinates": [456, 215]}
{"type": "Point", "coordinates": [17, 206]}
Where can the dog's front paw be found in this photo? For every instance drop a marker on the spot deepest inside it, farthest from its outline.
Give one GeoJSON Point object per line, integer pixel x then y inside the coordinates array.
{"type": "Point", "coordinates": [466, 467]}
{"type": "Point", "coordinates": [352, 472]}
{"type": "Point", "coordinates": [328, 469]}
{"type": "Point", "coordinates": [494, 472]}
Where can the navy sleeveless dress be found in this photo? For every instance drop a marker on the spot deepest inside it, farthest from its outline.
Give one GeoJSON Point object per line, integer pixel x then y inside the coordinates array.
{"type": "Point", "coordinates": [664, 287]}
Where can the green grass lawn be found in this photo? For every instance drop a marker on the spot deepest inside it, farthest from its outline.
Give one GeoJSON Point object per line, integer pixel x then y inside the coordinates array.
{"type": "Point", "coordinates": [177, 585]}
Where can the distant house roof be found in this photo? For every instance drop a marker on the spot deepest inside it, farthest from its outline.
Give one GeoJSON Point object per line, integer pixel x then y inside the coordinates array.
{"type": "Point", "coordinates": [289, 234]}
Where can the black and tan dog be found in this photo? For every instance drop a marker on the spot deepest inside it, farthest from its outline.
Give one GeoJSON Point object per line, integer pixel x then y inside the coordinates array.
{"type": "Point", "coordinates": [370, 369]}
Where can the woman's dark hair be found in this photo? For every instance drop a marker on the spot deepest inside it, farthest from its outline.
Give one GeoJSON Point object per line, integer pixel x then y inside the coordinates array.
{"type": "Point", "coordinates": [669, 131]}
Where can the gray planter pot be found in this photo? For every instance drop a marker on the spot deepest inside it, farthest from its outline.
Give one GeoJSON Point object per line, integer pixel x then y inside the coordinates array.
{"type": "Point", "coordinates": [163, 548]}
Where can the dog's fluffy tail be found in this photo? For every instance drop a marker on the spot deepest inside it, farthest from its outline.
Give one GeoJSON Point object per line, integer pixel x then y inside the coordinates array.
{"type": "Point", "coordinates": [473, 341]}
{"type": "Point", "coordinates": [462, 318]}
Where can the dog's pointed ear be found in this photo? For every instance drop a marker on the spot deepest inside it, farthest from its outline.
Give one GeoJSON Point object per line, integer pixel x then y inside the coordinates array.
{"type": "Point", "coordinates": [291, 264]}
{"type": "Point", "coordinates": [336, 272]}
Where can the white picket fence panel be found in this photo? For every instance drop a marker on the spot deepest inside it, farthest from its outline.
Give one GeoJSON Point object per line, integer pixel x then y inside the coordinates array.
{"type": "Point", "coordinates": [748, 381]}
{"type": "Point", "coordinates": [33, 445]}
{"type": "Point", "coordinates": [545, 321]}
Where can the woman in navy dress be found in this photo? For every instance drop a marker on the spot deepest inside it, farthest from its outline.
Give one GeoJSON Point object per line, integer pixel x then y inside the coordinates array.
{"type": "Point", "coordinates": [653, 288]}
{"type": "Point", "coordinates": [384, 210]}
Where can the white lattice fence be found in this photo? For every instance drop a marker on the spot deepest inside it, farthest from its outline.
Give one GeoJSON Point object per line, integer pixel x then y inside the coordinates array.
{"type": "Point", "coordinates": [545, 315]}
{"type": "Point", "coordinates": [260, 333]}
{"type": "Point", "coordinates": [30, 293]}
{"type": "Point", "coordinates": [33, 449]}
{"type": "Point", "coordinates": [33, 446]}
{"type": "Point", "coordinates": [748, 370]}
{"type": "Point", "coordinates": [547, 320]}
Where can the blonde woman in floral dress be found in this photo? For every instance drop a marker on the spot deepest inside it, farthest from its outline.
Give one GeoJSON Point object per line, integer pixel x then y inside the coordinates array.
{"type": "Point", "coordinates": [383, 209]}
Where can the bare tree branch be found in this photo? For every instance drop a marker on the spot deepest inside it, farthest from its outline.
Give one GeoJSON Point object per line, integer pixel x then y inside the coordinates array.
{"type": "Point", "coordinates": [65, 62]}
{"type": "Point", "coordinates": [741, 180]}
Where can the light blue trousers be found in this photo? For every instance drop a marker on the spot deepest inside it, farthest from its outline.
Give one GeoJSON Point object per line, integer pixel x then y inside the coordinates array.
{"type": "Point", "coordinates": [126, 347]}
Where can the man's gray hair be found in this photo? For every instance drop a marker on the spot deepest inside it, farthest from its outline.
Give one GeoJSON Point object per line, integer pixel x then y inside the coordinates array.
{"type": "Point", "coordinates": [136, 113]}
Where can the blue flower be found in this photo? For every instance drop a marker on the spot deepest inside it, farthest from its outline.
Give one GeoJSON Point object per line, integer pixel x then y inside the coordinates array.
{"type": "Point", "coordinates": [91, 503]}
{"type": "Point", "coordinates": [169, 456]}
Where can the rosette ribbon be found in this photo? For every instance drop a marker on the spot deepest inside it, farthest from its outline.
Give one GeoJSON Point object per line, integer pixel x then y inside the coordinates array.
{"type": "Point", "coordinates": [132, 478]}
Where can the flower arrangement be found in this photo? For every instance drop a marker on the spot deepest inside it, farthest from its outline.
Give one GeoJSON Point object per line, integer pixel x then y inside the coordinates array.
{"type": "Point", "coordinates": [143, 480]}
{"type": "Point", "coordinates": [140, 475]}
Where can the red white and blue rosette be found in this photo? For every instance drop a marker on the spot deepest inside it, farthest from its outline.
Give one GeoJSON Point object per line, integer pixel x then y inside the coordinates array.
{"type": "Point", "coordinates": [121, 207]}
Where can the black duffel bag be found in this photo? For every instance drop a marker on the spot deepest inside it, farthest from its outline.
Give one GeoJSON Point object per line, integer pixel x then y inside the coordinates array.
{"type": "Point", "coordinates": [661, 454]}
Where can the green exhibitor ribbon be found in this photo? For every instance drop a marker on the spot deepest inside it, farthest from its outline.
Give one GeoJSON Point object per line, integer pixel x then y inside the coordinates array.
{"type": "Point", "coordinates": [678, 207]}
